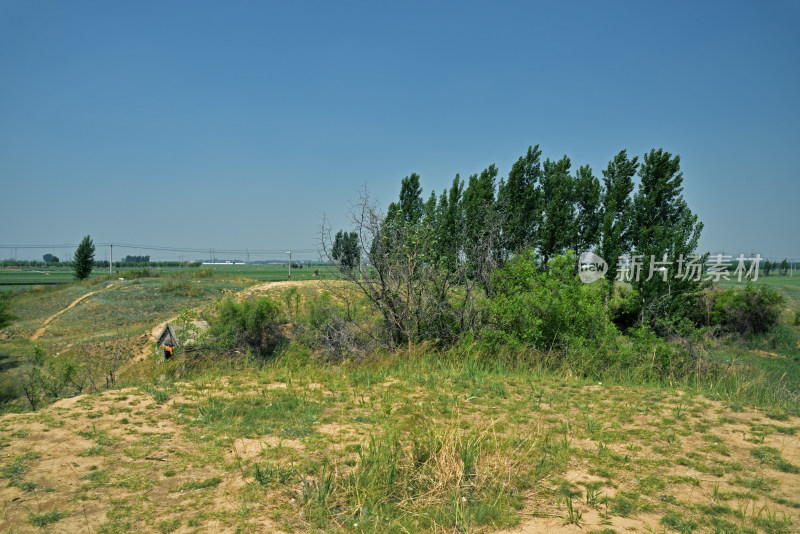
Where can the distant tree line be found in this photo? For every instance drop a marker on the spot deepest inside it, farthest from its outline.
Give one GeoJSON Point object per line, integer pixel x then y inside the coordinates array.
{"type": "Point", "coordinates": [97, 263]}
{"type": "Point", "coordinates": [136, 259]}
{"type": "Point", "coordinates": [126, 264]}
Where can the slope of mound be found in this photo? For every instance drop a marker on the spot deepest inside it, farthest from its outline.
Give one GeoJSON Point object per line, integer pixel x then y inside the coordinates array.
{"type": "Point", "coordinates": [417, 445]}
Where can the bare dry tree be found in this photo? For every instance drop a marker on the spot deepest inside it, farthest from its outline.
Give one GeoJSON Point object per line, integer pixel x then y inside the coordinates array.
{"type": "Point", "coordinates": [419, 295]}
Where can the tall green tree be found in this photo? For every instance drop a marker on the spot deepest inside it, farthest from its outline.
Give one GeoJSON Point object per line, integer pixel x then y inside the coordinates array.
{"type": "Point", "coordinates": [518, 198]}
{"type": "Point", "coordinates": [411, 204]}
{"type": "Point", "coordinates": [450, 225]}
{"type": "Point", "coordinates": [664, 227]}
{"type": "Point", "coordinates": [616, 208]}
{"type": "Point", "coordinates": [403, 217]}
{"type": "Point", "coordinates": [84, 259]}
{"type": "Point", "coordinates": [481, 225]}
{"type": "Point", "coordinates": [586, 194]}
{"type": "Point", "coordinates": [346, 249]}
{"type": "Point", "coordinates": [784, 267]}
{"type": "Point", "coordinates": [557, 232]}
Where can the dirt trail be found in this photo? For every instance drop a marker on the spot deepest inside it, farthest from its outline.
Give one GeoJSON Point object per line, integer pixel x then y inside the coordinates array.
{"type": "Point", "coordinates": [36, 335]}
{"type": "Point", "coordinates": [267, 286]}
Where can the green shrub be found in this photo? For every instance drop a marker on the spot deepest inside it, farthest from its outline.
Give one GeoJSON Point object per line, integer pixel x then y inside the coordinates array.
{"type": "Point", "coordinates": [652, 356]}
{"type": "Point", "coordinates": [547, 309]}
{"type": "Point", "coordinates": [331, 329]}
{"type": "Point", "coordinates": [180, 287]}
{"type": "Point", "coordinates": [250, 325]}
{"type": "Point", "coordinates": [625, 307]}
{"type": "Point", "coordinates": [206, 272]}
{"type": "Point", "coordinates": [752, 310]}
{"type": "Point", "coordinates": [135, 274]}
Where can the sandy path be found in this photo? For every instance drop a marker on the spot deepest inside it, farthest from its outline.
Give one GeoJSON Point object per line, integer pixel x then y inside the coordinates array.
{"type": "Point", "coordinates": [36, 335]}
{"type": "Point", "coordinates": [267, 286]}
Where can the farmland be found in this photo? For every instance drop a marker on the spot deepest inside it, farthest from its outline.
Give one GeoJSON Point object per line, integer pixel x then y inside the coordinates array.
{"type": "Point", "coordinates": [15, 279]}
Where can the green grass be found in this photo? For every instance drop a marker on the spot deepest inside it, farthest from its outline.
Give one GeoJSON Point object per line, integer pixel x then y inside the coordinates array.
{"type": "Point", "coordinates": [46, 518]}
{"type": "Point", "coordinates": [275, 272]}
{"type": "Point", "coordinates": [461, 441]}
{"type": "Point", "coordinates": [200, 484]}
{"type": "Point", "coordinates": [777, 353]}
{"type": "Point", "coordinates": [418, 443]}
{"type": "Point", "coordinates": [39, 276]}
{"type": "Point", "coordinates": [107, 324]}
{"type": "Point", "coordinates": [16, 280]}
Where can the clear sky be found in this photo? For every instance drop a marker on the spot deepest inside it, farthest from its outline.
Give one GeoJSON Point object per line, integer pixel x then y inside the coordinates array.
{"type": "Point", "coordinates": [239, 124]}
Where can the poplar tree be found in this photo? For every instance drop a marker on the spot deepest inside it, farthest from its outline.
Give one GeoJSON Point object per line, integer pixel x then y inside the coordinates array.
{"type": "Point", "coordinates": [346, 249]}
{"type": "Point", "coordinates": [518, 198]}
{"type": "Point", "coordinates": [586, 194]}
{"type": "Point", "coordinates": [411, 205]}
{"type": "Point", "coordinates": [615, 229]}
{"type": "Point", "coordinates": [557, 232]}
{"type": "Point", "coordinates": [450, 225]}
{"type": "Point", "coordinates": [84, 259]}
{"type": "Point", "coordinates": [664, 226]}
{"type": "Point", "coordinates": [481, 228]}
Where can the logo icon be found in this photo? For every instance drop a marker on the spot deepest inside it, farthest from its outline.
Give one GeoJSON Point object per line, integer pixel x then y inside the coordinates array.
{"type": "Point", "coordinates": [591, 267]}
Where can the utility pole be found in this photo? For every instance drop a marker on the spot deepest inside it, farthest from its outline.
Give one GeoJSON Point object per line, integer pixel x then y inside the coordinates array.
{"type": "Point", "coordinates": [289, 252]}
{"type": "Point", "coordinates": [247, 252]}
{"type": "Point", "coordinates": [111, 263]}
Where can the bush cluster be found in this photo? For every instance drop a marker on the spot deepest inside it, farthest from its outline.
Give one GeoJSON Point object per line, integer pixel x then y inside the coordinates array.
{"type": "Point", "coordinates": [334, 330]}
{"type": "Point", "coordinates": [752, 310]}
{"type": "Point", "coordinates": [546, 309]}
{"type": "Point", "coordinates": [249, 326]}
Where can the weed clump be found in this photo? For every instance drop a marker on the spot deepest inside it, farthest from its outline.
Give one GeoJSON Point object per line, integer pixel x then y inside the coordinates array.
{"type": "Point", "coordinates": [752, 310]}
{"type": "Point", "coordinates": [250, 326]}
{"type": "Point", "coordinates": [47, 518]}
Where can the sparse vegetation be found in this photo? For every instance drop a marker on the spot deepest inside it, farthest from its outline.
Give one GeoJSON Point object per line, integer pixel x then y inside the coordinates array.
{"type": "Point", "coordinates": [248, 326]}
{"type": "Point", "coordinates": [46, 518]}
{"type": "Point", "coordinates": [437, 385]}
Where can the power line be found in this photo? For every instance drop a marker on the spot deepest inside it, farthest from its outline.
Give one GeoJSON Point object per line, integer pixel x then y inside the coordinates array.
{"type": "Point", "coordinates": [167, 249]}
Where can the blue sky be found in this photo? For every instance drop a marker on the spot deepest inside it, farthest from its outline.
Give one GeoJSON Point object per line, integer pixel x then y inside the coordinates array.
{"type": "Point", "coordinates": [239, 124]}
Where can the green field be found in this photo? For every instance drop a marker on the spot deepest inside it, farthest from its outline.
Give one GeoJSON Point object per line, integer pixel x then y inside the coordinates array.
{"type": "Point", "coordinates": [13, 279]}
{"type": "Point", "coordinates": [274, 272]}
{"type": "Point", "coordinates": [20, 279]}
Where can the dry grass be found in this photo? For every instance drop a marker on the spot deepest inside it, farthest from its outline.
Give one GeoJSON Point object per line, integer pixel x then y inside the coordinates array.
{"type": "Point", "coordinates": [409, 446]}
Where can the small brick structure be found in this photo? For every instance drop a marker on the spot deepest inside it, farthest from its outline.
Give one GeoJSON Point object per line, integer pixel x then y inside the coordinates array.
{"type": "Point", "coordinates": [168, 341]}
